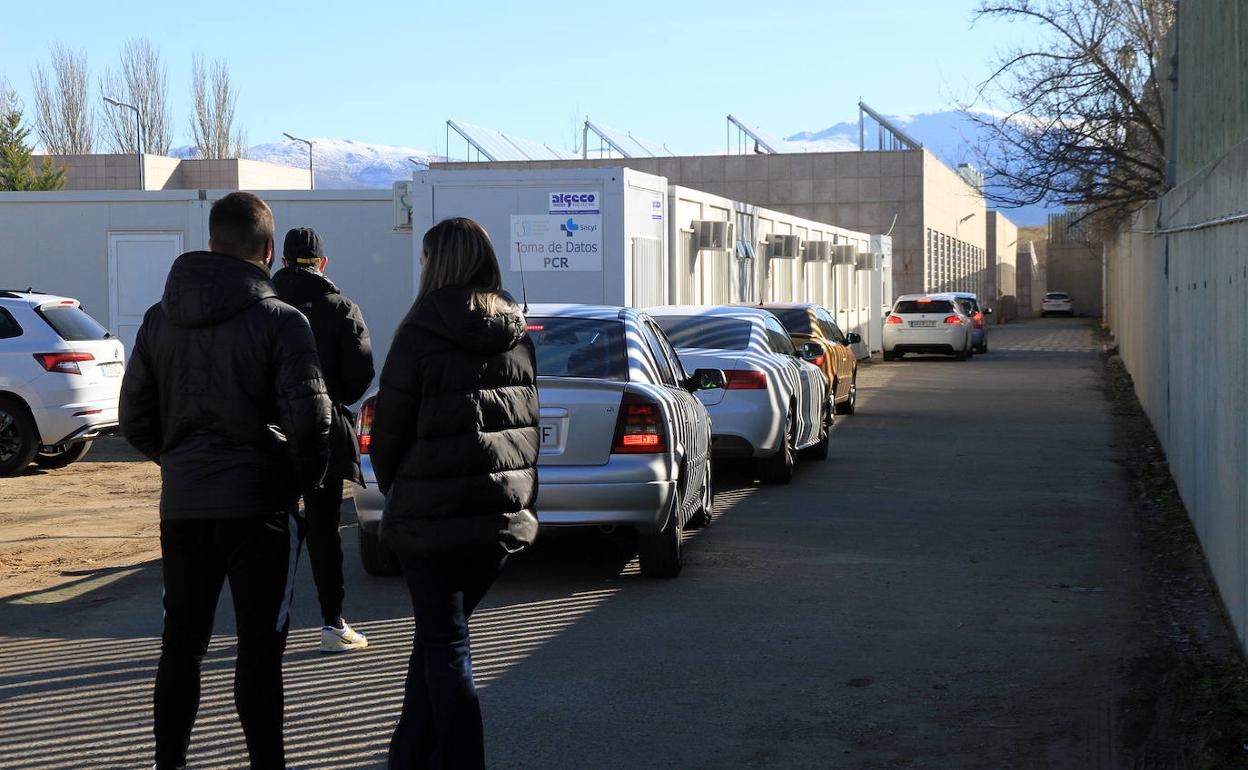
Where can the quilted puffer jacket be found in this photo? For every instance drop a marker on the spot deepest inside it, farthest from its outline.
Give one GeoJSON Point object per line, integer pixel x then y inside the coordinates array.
{"type": "Point", "coordinates": [223, 389]}
{"type": "Point", "coordinates": [455, 437]}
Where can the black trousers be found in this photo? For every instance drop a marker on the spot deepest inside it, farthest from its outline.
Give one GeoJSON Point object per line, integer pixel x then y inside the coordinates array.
{"type": "Point", "coordinates": [321, 519]}
{"type": "Point", "coordinates": [257, 555]}
{"type": "Point", "coordinates": [440, 726]}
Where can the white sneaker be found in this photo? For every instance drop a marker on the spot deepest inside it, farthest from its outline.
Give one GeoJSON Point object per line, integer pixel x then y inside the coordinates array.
{"type": "Point", "coordinates": [342, 639]}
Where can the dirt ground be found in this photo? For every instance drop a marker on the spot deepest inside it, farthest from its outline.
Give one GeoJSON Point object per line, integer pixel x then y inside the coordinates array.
{"type": "Point", "coordinates": [98, 513]}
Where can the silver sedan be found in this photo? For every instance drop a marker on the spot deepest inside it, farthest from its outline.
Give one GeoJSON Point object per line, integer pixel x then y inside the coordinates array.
{"type": "Point", "coordinates": [624, 442]}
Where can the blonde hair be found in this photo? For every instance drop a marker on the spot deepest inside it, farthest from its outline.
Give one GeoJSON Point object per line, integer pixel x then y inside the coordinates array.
{"type": "Point", "coordinates": [458, 252]}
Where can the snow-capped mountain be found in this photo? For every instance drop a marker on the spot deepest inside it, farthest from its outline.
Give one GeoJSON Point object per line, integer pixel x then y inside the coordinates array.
{"type": "Point", "coordinates": [340, 164]}
{"type": "Point", "coordinates": [949, 134]}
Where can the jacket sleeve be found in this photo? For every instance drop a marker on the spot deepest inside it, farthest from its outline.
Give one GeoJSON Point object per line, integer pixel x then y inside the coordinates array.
{"type": "Point", "coordinates": [397, 409]}
{"type": "Point", "coordinates": [355, 355]}
{"type": "Point", "coordinates": [139, 405]}
{"type": "Point", "coordinates": [303, 405]}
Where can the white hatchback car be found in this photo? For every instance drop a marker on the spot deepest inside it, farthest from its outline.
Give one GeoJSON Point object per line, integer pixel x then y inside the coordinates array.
{"type": "Point", "coordinates": [923, 323]}
{"type": "Point", "coordinates": [1057, 302]}
{"type": "Point", "coordinates": [60, 380]}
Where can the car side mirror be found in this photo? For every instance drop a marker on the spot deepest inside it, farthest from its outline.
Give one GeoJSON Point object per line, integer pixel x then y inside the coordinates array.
{"type": "Point", "coordinates": [707, 379]}
{"type": "Point", "coordinates": [811, 351]}
{"type": "Point", "coordinates": [853, 338]}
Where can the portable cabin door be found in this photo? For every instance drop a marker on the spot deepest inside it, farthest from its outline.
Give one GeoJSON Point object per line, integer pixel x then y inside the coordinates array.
{"type": "Point", "coordinates": [138, 263]}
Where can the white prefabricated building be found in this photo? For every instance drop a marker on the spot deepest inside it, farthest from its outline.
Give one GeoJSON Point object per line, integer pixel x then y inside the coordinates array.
{"type": "Point", "coordinates": [622, 237]}
{"type": "Point", "coordinates": [594, 236]}
{"type": "Point", "coordinates": [112, 250]}
{"type": "Point", "coordinates": [726, 251]}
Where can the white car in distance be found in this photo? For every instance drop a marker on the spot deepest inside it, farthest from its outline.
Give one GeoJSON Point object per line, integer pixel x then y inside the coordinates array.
{"type": "Point", "coordinates": [1057, 302]}
{"type": "Point", "coordinates": [60, 380]}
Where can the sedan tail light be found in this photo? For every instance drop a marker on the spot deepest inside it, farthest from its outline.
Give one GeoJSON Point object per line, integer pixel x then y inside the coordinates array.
{"type": "Point", "coordinates": [745, 379]}
{"type": "Point", "coordinates": [639, 429]}
{"type": "Point", "coordinates": [892, 319]}
{"type": "Point", "coordinates": [979, 319]}
{"type": "Point", "coordinates": [65, 363]}
{"type": "Point", "coordinates": [953, 319]}
{"type": "Point", "coordinates": [364, 424]}
{"type": "Point", "coordinates": [817, 360]}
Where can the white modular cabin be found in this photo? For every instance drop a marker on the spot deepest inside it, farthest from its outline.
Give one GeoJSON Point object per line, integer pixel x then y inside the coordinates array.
{"type": "Point", "coordinates": [593, 236]}
{"type": "Point", "coordinates": [725, 252]}
{"type": "Point", "coordinates": [112, 249]}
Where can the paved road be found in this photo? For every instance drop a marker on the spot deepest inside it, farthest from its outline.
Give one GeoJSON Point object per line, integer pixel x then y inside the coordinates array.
{"type": "Point", "coordinates": [953, 588]}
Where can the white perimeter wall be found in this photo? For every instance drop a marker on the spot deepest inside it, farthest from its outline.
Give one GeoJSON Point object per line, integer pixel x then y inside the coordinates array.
{"type": "Point", "coordinates": [1178, 306]}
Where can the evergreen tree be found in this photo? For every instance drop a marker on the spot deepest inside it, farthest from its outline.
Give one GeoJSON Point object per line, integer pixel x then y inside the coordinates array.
{"type": "Point", "coordinates": [17, 169]}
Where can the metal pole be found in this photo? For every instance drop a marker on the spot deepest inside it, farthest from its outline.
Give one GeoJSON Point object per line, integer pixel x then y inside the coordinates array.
{"type": "Point", "coordinates": [138, 136]}
{"type": "Point", "coordinates": [308, 142]}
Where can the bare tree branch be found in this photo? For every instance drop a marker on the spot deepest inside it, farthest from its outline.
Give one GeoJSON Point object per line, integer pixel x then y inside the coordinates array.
{"type": "Point", "coordinates": [212, 116]}
{"type": "Point", "coordinates": [63, 114]}
{"type": "Point", "coordinates": [1084, 112]}
{"type": "Point", "coordinates": [141, 83]}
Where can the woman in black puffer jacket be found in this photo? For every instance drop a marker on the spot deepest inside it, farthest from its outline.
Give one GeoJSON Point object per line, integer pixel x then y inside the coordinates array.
{"type": "Point", "coordinates": [454, 448]}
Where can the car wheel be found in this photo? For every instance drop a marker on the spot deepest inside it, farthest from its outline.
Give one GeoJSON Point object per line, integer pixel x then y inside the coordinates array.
{"type": "Point", "coordinates": [820, 451]}
{"type": "Point", "coordinates": [778, 469]}
{"type": "Point", "coordinates": [962, 354]}
{"type": "Point", "coordinates": [706, 509]}
{"type": "Point", "coordinates": [890, 356]}
{"type": "Point", "coordinates": [850, 404]}
{"type": "Point", "coordinates": [18, 438]}
{"type": "Point", "coordinates": [659, 552]}
{"type": "Point", "coordinates": [376, 558]}
{"type": "Point", "coordinates": [59, 459]}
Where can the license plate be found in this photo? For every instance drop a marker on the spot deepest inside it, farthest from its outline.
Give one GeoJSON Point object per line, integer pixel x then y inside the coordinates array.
{"type": "Point", "coordinates": [111, 369]}
{"type": "Point", "coordinates": [922, 323]}
{"type": "Point", "coordinates": [550, 434]}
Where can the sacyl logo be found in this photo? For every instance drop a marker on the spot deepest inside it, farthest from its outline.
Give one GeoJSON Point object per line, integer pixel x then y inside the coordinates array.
{"type": "Point", "coordinates": [569, 227]}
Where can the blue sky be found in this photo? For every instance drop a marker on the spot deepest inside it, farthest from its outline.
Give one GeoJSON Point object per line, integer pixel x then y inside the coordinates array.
{"type": "Point", "coordinates": [393, 72]}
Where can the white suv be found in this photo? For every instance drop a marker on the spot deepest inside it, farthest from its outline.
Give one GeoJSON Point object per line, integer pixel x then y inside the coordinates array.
{"type": "Point", "coordinates": [60, 379]}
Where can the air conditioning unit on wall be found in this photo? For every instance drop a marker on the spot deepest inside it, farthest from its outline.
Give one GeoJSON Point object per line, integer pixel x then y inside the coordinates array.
{"type": "Point", "coordinates": [714, 235]}
{"type": "Point", "coordinates": [784, 246]}
{"type": "Point", "coordinates": [844, 254]}
{"type": "Point", "coordinates": [817, 251]}
{"type": "Point", "coordinates": [867, 261]}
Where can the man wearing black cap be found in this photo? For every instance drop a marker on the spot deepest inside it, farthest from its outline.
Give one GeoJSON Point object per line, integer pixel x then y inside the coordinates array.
{"type": "Point", "coordinates": [347, 362]}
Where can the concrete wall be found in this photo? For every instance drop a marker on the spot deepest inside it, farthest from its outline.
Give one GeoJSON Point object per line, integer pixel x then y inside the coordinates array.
{"type": "Point", "coordinates": [1002, 277]}
{"type": "Point", "coordinates": [1177, 295]}
{"type": "Point", "coordinates": [58, 242]}
{"type": "Point", "coordinates": [121, 172]}
{"type": "Point", "coordinates": [860, 191]}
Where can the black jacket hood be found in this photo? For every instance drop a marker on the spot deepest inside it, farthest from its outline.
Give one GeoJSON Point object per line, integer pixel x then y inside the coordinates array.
{"type": "Point", "coordinates": [446, 312]}
{"type": "Point", "coordinates": [297, 285]}
{"type": "Point", "coordinates": [206, 288]}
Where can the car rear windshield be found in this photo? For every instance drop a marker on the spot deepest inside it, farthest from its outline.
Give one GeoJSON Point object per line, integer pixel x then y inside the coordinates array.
{"type": "Point", "coordinates": [697, 331]}
{"type": "Point", "coordinates": [579, 347]}
{"type": "Point", "coordinates": [1057, 296]}
{"type": "Point", "coordinates": [923, 306]}
{"type": "Point", "coordinates": [795, 319]}
{"type": "Point", "coordinates": [73, 323]}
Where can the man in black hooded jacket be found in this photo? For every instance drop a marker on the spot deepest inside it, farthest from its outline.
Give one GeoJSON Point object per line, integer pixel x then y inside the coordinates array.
{"type": "Point", "coordinates": [347, 362]}
{"type": "Point", "coordinates": [223, 390]}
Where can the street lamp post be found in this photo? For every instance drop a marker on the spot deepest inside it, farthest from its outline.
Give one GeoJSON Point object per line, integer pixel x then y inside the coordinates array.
{"type": "Point", "coordinates": [311, 177]}
{"type": "Point", "coordinates": [138, 136]}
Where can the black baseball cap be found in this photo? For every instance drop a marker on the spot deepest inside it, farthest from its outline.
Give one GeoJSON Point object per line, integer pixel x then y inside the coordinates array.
{"type": "Point", "coordinates": [303, 245]}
